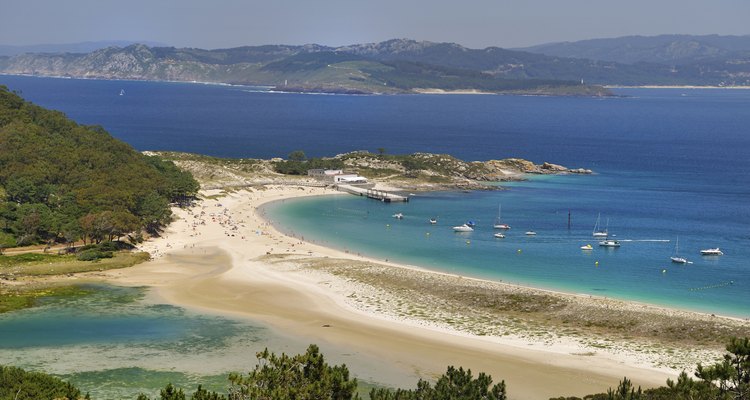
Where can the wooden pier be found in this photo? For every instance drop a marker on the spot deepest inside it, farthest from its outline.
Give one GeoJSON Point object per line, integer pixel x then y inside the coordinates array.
{"type": "Point", "coordinates": [380, 195]}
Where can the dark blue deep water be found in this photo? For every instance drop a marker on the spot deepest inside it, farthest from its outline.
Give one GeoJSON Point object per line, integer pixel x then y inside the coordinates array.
{"type": "Point", "coordinates": [669, 163]}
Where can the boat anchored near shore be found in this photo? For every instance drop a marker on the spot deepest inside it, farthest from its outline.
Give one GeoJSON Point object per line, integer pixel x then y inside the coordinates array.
{"type": "Point", "coordinates": [499, 222]}
{"type": "Point", "coordinates": [712, 252]}
{"type": "Point", "coordinates": [676, 257]}
{"type": "Point", "coordinates": [598, 231]}
{"type": "Point", "coordinates": [463, 228]}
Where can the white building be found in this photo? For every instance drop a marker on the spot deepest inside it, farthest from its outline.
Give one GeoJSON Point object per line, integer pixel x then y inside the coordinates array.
{"type": "Point", "coordinates": [349, 178]}
{"type": "Point", "coordinates": [324, 173]}
{"type": "Point", "coordinates": [336, 176]}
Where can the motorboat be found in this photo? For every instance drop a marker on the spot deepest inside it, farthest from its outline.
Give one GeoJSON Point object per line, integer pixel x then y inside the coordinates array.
{"type": "Point", "coordinates": [587, 247]}
{"type": "Point", "coordinates": [398, 216]}
{"type": "Point", "coordinates": [463, 228]}
{"type": "Point", "coordinates": [433, 221]}
{"type": "Point", "coordinates": [499, 235]}
{"type": "Point", "coordinates": [530, 233]}
{"type": "Point", "coordinates": [609, 243]}
{"type": "Point", "coordinates": [712, 252]}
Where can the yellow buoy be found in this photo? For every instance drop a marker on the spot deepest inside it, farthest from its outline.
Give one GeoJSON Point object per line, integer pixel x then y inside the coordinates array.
{"type": "Point", "coordinates": [519, 250]}
{"type": "Point", "coordinates": [596, 263]}
{"type": "Point", "coordinates": [468, 242]}
{"type": "Point", "coordinates": [664, 271]}
{"type": "Point", "coordinates": [428, 233]}
{"type": "Point", "coordinates": [387, 225]}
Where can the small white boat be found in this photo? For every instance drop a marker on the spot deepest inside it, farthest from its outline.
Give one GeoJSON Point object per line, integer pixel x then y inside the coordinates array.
{"type": "Point", "coordinates": [587, 247]}
{"type": "Point", "coordinates": [398, 216]}
{"type": "Point", "coordinates": [498, 221]}
{"type": "Point", "coordinates": [676, 257]}
{"type": "Point", "coordinates": [499, 235]}
{"type": "Point", "coordinates": [712, 252]}
{"type": "Point", "coordinates": [598, 232]}
{"type": "Point", "coordinates": [530, 233]}
{"type": "Point", "coordinates": [433, 221]}
{"type": "Point", "coordinates": [463, 228]}
{"type": "Point", "coordinates": [609, 243]}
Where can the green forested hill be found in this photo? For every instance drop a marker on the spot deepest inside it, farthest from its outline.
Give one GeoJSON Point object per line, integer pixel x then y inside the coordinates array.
{"type": "Point", "coordinates": [60, 181]}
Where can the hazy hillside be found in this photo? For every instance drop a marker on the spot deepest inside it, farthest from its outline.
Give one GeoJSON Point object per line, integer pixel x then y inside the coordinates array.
{"type": "Point", "coordinates": [663, 49]}
{"type": "Point", "coordinates": [304, 68]}
{"type": "Point", "coordinates": [394, 66]}
{"type": "Point", "coordinates": [82, 47]}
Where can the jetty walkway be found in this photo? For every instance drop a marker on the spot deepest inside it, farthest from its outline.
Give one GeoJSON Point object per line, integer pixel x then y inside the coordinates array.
{"type": "Point", "coordinates": [372, 193]}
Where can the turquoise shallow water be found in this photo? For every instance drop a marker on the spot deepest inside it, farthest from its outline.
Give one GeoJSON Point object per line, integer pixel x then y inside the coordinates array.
{"type": "Point", "coordinates": [116, 343]}
{"type": "Point", "coordinates": [646, 220]}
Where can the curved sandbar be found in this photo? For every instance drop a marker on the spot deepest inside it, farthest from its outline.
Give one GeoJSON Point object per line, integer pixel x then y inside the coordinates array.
{"type": "Point", "coordinates": [220, 263]}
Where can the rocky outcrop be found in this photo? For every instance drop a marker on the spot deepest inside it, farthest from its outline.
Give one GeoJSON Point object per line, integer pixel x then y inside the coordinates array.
{"type": "Point", "coordinates": [451, 168]}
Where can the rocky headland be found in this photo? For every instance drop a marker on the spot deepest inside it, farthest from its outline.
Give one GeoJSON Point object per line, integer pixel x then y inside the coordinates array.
{"type": "Point", "coordinates": [414, 172]}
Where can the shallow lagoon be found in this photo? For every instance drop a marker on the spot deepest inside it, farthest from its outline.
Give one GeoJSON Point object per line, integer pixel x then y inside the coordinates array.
{"type": "Point", "coordinates": [117, 342]}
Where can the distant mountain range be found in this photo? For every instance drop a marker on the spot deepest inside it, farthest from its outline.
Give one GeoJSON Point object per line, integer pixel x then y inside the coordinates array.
{"type": "Point", "coordinates": [82, 47]}
{"type": "Point", "coordinates": [663, 49]}
{"type": "Point", "coordinates": [402, 65]}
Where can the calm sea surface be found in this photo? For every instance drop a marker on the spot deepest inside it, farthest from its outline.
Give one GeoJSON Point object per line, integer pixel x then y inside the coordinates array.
{"type": "Point", "coordinates": [670, 163]}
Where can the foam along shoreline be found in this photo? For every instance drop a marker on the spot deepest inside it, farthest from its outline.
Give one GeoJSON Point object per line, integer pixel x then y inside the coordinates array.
{"type": "Point", "coordinates": [293, 286]}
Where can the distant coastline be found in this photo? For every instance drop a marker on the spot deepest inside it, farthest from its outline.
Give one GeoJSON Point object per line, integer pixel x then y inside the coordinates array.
{"type": "Point", "coordinates": [675, 87]}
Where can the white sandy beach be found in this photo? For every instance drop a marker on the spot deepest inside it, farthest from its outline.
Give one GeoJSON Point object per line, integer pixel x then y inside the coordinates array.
{"type": "Point", "coordinates": [216, 257]}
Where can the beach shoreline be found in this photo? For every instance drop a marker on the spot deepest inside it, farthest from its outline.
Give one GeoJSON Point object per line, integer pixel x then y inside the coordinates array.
{"type": "Point", "coordinates": [269, 279]}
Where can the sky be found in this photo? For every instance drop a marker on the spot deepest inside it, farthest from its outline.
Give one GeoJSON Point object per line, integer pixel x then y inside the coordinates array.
{"type": "Point", "coordinates": [214, 24]}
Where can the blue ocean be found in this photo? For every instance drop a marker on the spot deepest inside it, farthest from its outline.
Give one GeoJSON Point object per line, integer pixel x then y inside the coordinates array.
{"type": "Point", "coordinates": [669, 164]}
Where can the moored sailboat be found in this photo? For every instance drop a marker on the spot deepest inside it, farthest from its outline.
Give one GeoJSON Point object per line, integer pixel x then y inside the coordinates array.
{"type": "Point", "coordinates": [598, 232]}
{"type": "Point", "coordinates": [498, 221]}
{"type": "Point", "coordinates": [676, 257]}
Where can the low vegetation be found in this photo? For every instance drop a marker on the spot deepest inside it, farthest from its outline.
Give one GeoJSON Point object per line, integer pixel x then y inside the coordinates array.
{"type": "Point", "coordinates": [308, 376]}
{"type": "Point", "coordinates": [28, 277]}
{"type": "Point", "coordinates": [298, 164]}
{"type": "Point", "coordinates": [17, 384]}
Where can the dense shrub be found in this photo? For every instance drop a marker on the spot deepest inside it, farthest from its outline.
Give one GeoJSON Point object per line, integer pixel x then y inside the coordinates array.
{"type": "Point", "coordinates": [93, 255]}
